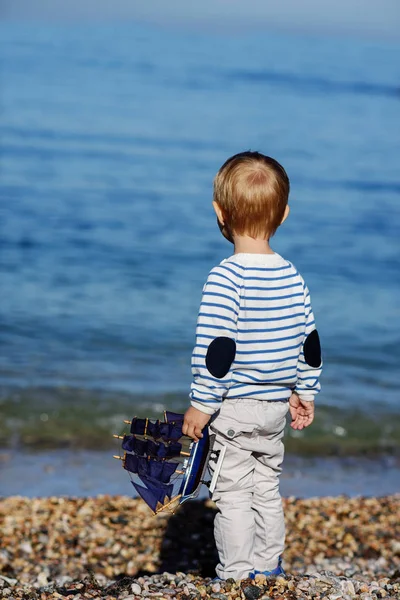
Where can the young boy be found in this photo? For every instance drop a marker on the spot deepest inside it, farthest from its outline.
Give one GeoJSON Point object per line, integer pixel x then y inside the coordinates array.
{"type": "Point", "coordinates": [257, 355]}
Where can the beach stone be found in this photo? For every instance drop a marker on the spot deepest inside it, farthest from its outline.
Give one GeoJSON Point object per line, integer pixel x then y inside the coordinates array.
{"type": "Point", "coordinates": [202, 590]}
{"type": "Point", "coordinates": [136, 589]}
{"type": "Point", "coordinates": [42, 580]}
{"type": "Point", "coordinates": [252, 592]}
{"type": "Point", "coordinates": [327, 579]}
{"type": "Point", "coordinates": [216, 587]}
{"type": "Point", "coordinates": [191, 586]}
{"type": "Point", "coordinates": [348, 588]}
{"type": "Point", "coordinates": [26, 547]}
{"type": "Point", "coordinates": [8, 580]}
{"type": "Point", "coordinates": [63, 579]}
{"type": "Point", "coordinates": [101, 579]}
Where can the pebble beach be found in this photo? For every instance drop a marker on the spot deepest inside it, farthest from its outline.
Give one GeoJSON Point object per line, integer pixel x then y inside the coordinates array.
{"type": "Point", "coordinates": [112, 547]}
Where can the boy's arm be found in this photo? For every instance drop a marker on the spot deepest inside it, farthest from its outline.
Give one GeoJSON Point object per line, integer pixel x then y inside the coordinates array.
{"type": "Point", "coordinates": [215, 347]}
{"type": "Point", "coordinates": [310, 361]}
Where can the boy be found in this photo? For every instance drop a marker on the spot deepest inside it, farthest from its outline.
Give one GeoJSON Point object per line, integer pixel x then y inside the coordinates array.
{"type": "Point", "coordinates": [257, 355]}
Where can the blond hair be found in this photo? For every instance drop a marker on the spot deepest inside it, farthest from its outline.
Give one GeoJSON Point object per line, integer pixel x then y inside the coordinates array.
{"type": "Point", "coordinates": [252, 191]}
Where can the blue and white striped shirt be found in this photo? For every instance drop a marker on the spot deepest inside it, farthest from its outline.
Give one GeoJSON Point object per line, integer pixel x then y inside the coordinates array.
{"type": "Point", "coordinates": [260, 302]}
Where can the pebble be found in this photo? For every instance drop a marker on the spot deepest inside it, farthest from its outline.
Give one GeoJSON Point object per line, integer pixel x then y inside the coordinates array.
{"type": "Point", "coordinates": [136, 589]}
{"type": "Point", "coordinates": [337, 548]}
{"type": "Point", "coordinates": [348, 588]}
{"type": "Point", "coordinates": [252, 592]}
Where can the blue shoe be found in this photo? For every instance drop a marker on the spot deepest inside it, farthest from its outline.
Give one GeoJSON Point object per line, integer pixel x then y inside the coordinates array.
{"type": "Point", "coordinates": [216, 580]}
{"type": "Point", "coordinates": [274, 573]}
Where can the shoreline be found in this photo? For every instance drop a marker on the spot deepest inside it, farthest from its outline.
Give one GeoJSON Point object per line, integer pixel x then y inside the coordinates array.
{"type": "Point", "coordinates": [40, 419]}
{"type": "Point", "coordinates": [111, 547]}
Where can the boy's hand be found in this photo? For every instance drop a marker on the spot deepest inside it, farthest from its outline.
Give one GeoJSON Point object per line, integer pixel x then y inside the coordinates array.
{"type": "Point", "coordinates": [302, 412]}
{"type": "Point", "coordinates": [194, 422]}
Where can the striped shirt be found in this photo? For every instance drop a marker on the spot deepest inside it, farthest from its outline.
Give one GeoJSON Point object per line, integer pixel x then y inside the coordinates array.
{"type": "Point", "coordinates": [260, 302]}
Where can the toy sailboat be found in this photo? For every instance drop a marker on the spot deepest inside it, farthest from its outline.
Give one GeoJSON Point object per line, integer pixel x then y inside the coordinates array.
{"type": "Point", "coordinates": [167, 468]}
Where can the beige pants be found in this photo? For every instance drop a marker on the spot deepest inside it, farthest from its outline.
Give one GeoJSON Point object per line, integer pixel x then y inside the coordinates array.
{"type": "Point", "coordinates": [249, 527]}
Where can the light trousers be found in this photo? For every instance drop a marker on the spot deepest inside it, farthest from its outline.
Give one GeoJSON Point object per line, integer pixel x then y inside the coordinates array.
{"type": "Point", "coordinates": [249, 527]}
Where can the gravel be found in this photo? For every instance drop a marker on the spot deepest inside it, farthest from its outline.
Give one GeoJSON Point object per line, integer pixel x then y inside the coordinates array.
{"type": "Point", "coordinates": [111, 547]}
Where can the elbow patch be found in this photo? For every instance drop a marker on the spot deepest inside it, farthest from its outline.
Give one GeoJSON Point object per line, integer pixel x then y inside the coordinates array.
{"type": "Point", "coordinates": [312, 350]}
{"type": "Point", "coordinates": [220, 355]}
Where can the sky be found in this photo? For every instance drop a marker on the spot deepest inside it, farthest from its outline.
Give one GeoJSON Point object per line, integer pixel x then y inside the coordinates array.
{"type": "Point", "coordinates": [367, 18]}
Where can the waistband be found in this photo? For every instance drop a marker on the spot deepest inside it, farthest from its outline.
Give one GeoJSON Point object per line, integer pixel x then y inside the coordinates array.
{"type": "Point", "coordinates": [254, 401]}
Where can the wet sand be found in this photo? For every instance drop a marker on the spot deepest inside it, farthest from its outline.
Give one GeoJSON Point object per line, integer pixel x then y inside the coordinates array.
{"type": "Point", "coordinates": [89, 473]}
{"type": "Point", "coordinates": [111, 546]}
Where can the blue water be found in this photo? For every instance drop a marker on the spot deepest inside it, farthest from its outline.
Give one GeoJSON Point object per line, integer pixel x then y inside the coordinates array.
{"type": "Point", "coordinates": [110, 138]}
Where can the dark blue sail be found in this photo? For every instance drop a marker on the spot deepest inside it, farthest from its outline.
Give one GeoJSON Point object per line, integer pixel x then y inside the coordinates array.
{"type": "Point", "coordinates": [171, 417]}
{"type": "Point", "coordinates": [161, 490]}
{"type": "Point", "coordinates": [162, 471]}
{"type": "Point", "coordinates": [152, 495]}
{"type": "Point", "coordinates": [147, 495]}
{"type": "Point", "coordinates": [132, 444]}
{"type": "Point", "coordinates": [153, 429]}
{"type": "Point", "coordinates": [131, 463]}
{"type": "Point", "coordinates": [171, 450]}
{"type": "Point", "coordinates": [138, 426]}
{"type": "Point", "coordinates": [151, 448]}
{"type": "Point", "coordinates": [168, 470]}
{"type": "Point", "coordinates": [171, 431]}
{"type": "Point", "coordinates": [159, 471]}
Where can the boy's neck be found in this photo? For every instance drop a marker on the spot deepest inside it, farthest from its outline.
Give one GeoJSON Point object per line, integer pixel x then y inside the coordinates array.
{"type": "Point", "coordinates": [249, 245]}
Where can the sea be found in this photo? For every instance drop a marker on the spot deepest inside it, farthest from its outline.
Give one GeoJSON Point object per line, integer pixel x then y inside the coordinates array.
{"type": "Point", "coordinates": [110, 136]}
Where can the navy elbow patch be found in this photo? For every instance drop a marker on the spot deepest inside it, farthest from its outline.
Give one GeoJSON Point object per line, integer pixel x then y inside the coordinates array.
{"type": "Point", "coordinates": [220, 355]}
{"type": "Point", "coordinates": [312, 350]}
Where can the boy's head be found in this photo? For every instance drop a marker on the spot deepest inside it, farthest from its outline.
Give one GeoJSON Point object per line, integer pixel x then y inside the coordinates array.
{"type": "Point", "coordinates": [251, 195]}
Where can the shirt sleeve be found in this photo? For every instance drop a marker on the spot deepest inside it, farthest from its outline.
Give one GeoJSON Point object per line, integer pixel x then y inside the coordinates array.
{"type": "Point", "coordinates": [215, 348]}
{"type": "Point", "coordinates": [310, 361]}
